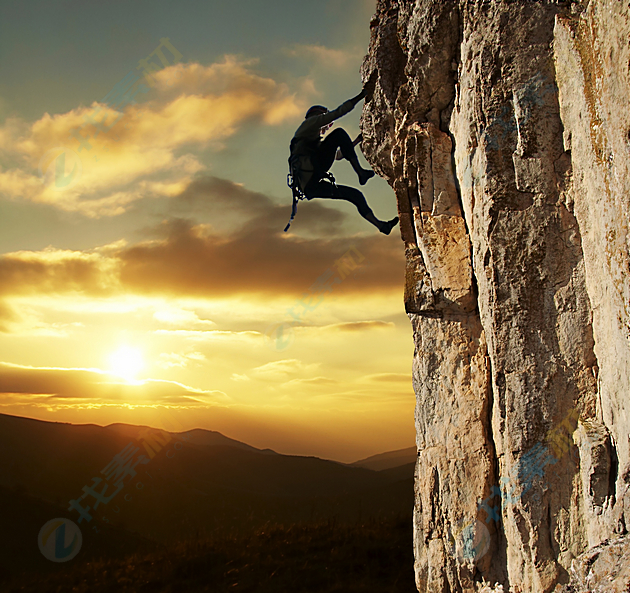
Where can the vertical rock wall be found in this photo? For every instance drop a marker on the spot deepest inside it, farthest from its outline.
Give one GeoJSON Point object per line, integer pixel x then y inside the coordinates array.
{"type": "Point", "coordinates": [504, 129]}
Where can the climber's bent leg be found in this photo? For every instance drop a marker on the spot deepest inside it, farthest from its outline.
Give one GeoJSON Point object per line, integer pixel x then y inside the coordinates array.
{"type": "Point", "coordinates": [325, 155]}
{"type": "Point", "coordinates": [324, 189]}
{"type": "Point", "coordinates": [338, 139]}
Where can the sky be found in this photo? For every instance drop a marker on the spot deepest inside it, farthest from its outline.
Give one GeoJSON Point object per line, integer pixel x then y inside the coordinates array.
{"type": "Point", "coordinates": [144, 274]}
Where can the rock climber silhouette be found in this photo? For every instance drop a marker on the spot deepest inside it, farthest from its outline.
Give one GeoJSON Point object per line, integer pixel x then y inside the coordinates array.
{"type": "Point", "coordinates": [311, 158]}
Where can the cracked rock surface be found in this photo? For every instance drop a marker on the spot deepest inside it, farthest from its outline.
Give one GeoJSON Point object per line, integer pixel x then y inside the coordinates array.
{"type": "Point", "coordinates": [503, 128]}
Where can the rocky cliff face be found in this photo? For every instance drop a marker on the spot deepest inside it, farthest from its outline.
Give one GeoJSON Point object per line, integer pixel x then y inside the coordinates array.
{"type": "Point", "coordinates": [503, 128]}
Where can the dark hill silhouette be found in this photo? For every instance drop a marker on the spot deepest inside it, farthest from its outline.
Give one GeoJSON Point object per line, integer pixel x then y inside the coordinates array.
{"type": "Point", "coordinates": [388, 460]}
{"type": "Point", "coordinates": [210, 486]}
{"type": "Point", "coordinates": [400, 472]}
{"type": "Point", "coordinates": [198, 436]}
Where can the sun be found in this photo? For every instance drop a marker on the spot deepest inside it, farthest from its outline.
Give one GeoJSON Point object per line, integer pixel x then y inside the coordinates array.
{"type": "Point", "coordinates": [126, 362]}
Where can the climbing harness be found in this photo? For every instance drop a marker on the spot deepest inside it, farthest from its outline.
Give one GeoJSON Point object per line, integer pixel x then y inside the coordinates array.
{"type": "Point", "coordinates": [292, 182]}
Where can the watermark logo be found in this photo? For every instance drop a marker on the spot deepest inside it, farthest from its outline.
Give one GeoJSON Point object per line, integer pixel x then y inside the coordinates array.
{"type": "Point", "coordinates": [60, 168]}
{"type": "Point", "coordinates": [470, 542]}
{"type": "Point", "coordinates": [60, 540]}
{"type": "Point", "coordinates": [279, 336]}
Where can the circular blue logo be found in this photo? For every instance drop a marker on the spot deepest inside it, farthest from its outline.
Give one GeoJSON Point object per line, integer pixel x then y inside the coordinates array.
{"type": "Point", "coordinates": [279, 336]}
{"type": "Point", "coordinates": [470, 542]}
{"type": "Point", "coordinates": [60, 540]}
{"type": "Point", "coordinates": [60, 168]}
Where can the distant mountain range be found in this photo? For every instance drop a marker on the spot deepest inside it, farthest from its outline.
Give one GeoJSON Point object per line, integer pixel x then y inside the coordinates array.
{"type": "Point", "coordinates": [388, 460]}
{"type": "Point", "coordinates": [198, 436]}
{"type": "Point", "coordinates": [195, 482]}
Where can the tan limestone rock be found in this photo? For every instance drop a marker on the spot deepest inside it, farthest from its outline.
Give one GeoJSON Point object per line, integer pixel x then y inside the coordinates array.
{"type": "Point", "coordinates": [503, 129]}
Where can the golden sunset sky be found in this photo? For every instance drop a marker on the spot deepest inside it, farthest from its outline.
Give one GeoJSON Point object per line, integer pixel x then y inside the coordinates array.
{"type": "Point", "coordinates": [144, 273]}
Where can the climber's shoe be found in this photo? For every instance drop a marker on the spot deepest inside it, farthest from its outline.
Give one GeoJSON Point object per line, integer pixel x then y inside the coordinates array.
{"type": "Point", "coordinates": [386, 227]}
{"type": "Point", "coordinates": [365, 175]}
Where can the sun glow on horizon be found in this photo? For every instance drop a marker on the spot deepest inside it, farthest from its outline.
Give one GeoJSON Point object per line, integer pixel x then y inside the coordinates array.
{"type": "Point", "coordinates": [126, 362]}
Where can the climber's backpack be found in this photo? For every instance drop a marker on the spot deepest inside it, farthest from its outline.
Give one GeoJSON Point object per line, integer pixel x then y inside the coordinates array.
{"type": "Point", "coordinates": [293, 183]}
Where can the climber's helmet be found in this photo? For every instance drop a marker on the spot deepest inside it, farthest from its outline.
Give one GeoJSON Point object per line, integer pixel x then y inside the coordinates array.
{"type": "Point", "coordinates": [316, 110]}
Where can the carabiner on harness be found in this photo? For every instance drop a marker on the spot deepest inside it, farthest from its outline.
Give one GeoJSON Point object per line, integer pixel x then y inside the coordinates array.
{"type": "Point", "coordinates": [298, 194]}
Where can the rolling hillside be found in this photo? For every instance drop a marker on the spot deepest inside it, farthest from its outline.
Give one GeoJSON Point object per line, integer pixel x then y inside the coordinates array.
{"type": "Point", "coordinates": [207, 486]}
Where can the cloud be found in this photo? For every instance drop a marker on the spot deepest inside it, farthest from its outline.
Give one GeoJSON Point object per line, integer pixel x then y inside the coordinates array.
{"type": "Point", "coordinates": [390, 378]}
{"type": "Point", "coordinates": [281, 369]}
{"type": "Point", "coordinates": [358, 326]}
{"type": "Point", "coordinates": [8, 316]}
{"type": "Point", "coordinates": [185, 258]}
{"type": "Point", "coordinates": [256, 257]}
{"type": "Point", "coordinates": [239, 92]}
{"type": "Point", "coordinates": [312, 382]}
{"type": "Point", "coordinates": [171, 315]}
{"type": "Point", "coordinates": [57, 388]}
{"type": "Point", "coordinates": [237, 377]}
{"type": "Point", "coordinates": [174, 360]}
{"type": "Point", "coordinates": [57, 271]}
{"type": "Point", "coordinates": [329, 58]}
{"type": "Point", "coordinates": [207, 335]}
{"type": "Point", "coordinates": [16, 183]}
{"type": "Point", "coordinates": [231, 206]}
{"type": "Point", "coordinates": [139, 150]}
{"type": "Point", "coordinates": [192, 260]}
